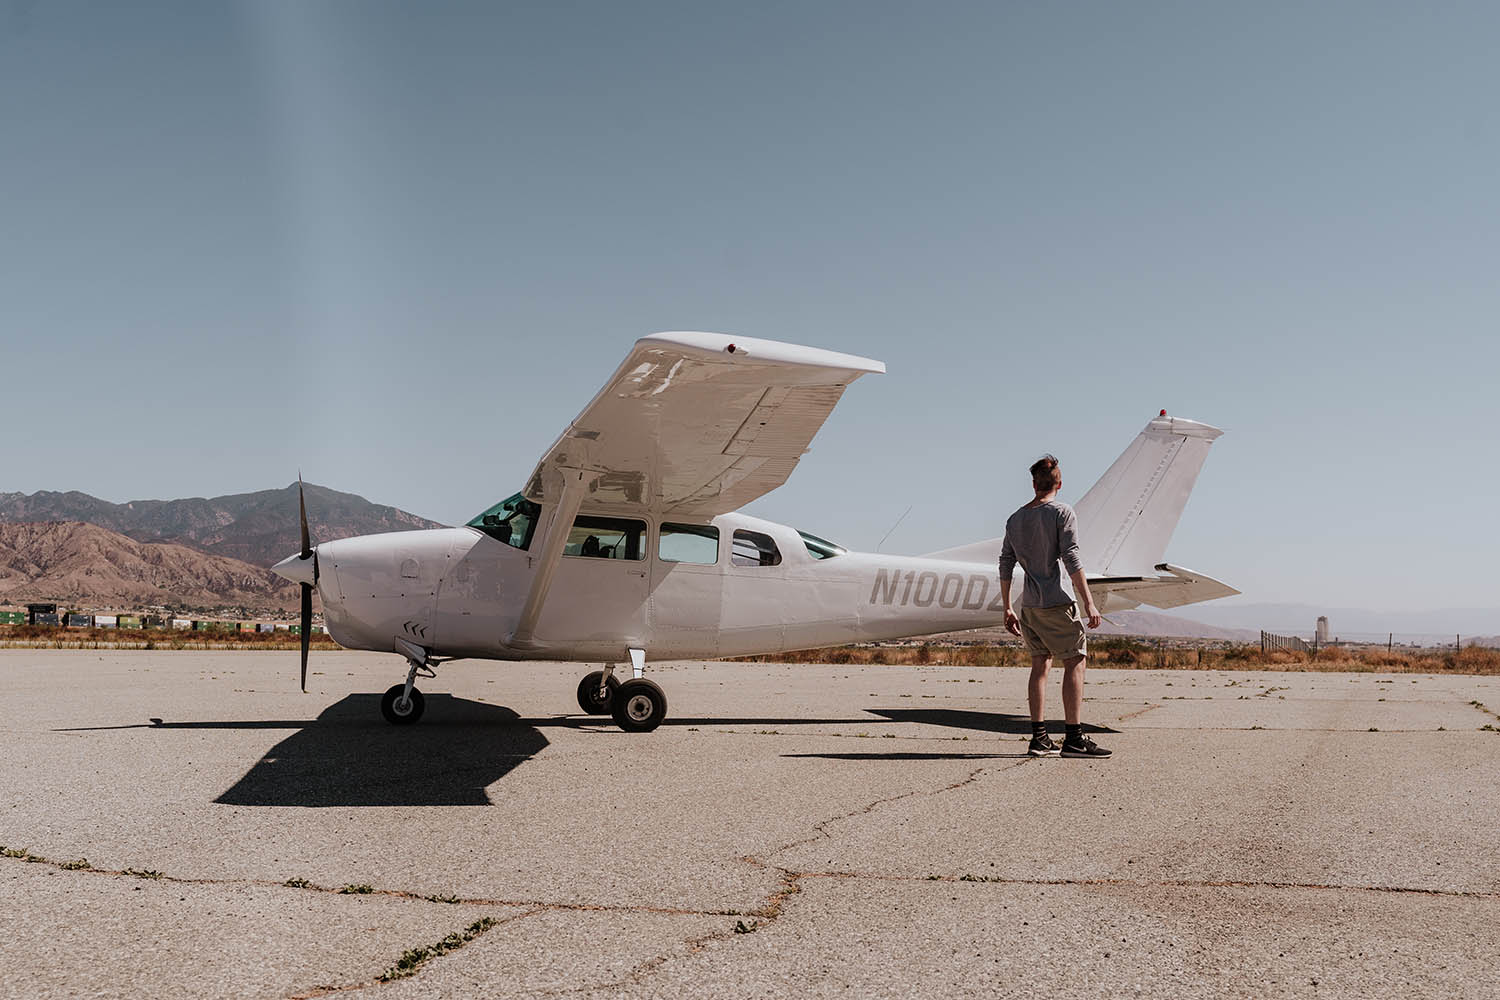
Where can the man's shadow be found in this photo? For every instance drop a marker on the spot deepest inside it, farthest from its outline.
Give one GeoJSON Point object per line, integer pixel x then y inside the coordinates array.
{"type": "Point", "coordinates": [962, 718]}
{"type": "Point", "coordinates": [350, 756]}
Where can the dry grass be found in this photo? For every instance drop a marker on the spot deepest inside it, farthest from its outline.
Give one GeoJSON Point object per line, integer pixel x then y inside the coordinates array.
{"type": "Point", "coordinates": [1133, 654]}
{"type": "Point", "coordinates": [58, 637]}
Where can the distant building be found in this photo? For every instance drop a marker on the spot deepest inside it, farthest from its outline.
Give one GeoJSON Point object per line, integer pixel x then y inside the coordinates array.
{"type": "Point", "coordinates": [1322, 632]}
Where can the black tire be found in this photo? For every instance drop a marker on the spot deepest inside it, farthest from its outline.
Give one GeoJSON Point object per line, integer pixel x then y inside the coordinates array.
{"type": "Point", "coordinates": [639, 706]}
{"type": "Point", "coordinates": [588, 694]}
{"type": "Point", "coordinates": [413, 713]}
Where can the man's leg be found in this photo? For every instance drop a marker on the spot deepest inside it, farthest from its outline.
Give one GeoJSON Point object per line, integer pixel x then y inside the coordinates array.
{"type": "Point", "coordinates": [1036, 688]}
{"type": "Point", "coordinates": [1036, 694]}
{"type": "Point", "coordinates": [1073, 689]}
{"type": "Point", "coordinates": [1075, 743]}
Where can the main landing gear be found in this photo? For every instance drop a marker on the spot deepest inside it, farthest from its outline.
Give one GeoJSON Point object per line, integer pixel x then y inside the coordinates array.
{"type": "Point", "coordinates": [637, 705]}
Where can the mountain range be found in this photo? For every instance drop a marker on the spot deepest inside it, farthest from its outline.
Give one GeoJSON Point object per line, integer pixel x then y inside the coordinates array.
{"type": "Point", "coordinates": [95, 569]}
{"type": "Point", "coordinates": [258, 528]}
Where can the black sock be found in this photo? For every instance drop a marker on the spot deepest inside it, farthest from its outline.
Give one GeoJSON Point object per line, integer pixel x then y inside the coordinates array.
{"type": "Point", "coordinates": [1038, 729]}
{"type": "Point", "coordinates": [1075, 731]}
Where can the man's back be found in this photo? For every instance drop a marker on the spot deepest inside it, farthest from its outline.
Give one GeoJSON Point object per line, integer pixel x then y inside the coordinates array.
{"type": "Point", "coordinates": [1038, 536]}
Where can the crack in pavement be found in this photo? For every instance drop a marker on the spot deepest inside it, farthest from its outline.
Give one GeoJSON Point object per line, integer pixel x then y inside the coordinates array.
{"type": "Point", "coordinates": [448, 945]}
{"type": "Point", "coordinates": [772, 909]}
{"type": "Point", "coordinates": [1155, 884]}
{"type": "Point", "coordinates": [83, 867]}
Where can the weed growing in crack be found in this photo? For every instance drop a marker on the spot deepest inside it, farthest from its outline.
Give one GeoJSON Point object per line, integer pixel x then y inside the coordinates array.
{"type": "Point", "coordinates": [297, 883]}
{"type": "Point", "coordinates": [14, 852]}
{"type": "Point", "coordinates": [740, 927]}
{"type": "Point", "coordinates": [443, 898]}
{"type": "Point", "coordinates": [150, 873]}
{"type": "Point", "coordinates": [414, 958]}
{"type": "Point", "coordinates": [1488, 727]}
{"type": "Point", "coordinates": [81, 865]}
{"type": "Point", "coordinates": [359, 889]}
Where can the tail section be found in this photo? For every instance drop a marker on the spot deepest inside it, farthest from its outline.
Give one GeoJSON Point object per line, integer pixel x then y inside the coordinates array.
{"type": "Point", "coordinates": [1127, 518]}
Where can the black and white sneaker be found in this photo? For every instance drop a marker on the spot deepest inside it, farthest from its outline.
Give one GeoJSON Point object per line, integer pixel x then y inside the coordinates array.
{"type": "Point", "coordinates": [1082, 746]}
{"type": "Point", "coordinates": [1042, 746]}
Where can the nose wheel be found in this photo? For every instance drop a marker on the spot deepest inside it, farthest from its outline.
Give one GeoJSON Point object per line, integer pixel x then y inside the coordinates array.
{"type": "Point", "coordinates": [403, 704]}
{"type": "Point", "coordinates": [401, 708]}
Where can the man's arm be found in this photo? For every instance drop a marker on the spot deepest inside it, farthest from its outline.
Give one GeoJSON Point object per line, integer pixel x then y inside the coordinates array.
{"type": "Point", "coordinates": [1072, 560]}
{"type": "Point", "coordinates": [1007, 569]}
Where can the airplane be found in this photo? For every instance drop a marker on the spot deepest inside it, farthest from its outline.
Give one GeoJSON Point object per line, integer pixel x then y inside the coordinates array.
{"type": "Point", "coordinates": [627, 540]}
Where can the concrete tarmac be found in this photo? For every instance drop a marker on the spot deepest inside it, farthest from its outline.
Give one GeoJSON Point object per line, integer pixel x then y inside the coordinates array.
{"type": "Point", "coordinates": [188, 824]}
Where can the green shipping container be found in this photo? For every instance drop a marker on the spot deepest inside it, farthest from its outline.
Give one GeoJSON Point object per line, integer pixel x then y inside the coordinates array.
{"type": "Point", "coordinates": [129, 621]}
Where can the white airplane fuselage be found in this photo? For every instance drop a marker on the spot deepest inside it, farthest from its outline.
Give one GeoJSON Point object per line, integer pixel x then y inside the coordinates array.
{"type": "Point", "coordinates": [458, 593]}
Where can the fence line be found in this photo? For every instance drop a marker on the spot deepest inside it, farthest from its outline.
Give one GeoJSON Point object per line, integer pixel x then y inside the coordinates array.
{"type": "Point", "coordinates": [1270, 641]}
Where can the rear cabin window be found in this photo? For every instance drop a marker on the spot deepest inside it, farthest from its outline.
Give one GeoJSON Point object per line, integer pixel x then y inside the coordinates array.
{"type": "Point", "coordinates": [606, 538]}
{"type": "Point", "coordinates": [751, 548]}
{"type": "Point", "coordinates": [512, 521]}
{"type": "Point", "coordinates": [688, 543]}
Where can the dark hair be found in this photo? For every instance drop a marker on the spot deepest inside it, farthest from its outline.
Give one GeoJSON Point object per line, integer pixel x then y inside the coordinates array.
{"type": "Point", "coordinates": [1044, 472]}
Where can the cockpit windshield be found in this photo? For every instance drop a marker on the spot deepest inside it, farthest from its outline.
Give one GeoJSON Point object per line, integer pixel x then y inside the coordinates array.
{"type": "Point", "coordinates": [512, 521]}
{"type": "Point", "coordinates": [821, 548]}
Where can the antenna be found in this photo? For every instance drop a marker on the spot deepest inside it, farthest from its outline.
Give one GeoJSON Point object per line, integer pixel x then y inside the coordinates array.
{"type": "Point", "coordinates": [893, 528]}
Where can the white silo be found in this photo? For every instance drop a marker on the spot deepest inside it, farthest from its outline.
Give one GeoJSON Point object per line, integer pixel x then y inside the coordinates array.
{"type": "Point", "coordinates": [1322, 633]}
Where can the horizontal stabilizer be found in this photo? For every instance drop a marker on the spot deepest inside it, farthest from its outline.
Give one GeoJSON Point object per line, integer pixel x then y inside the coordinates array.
{"type": "Point", "coordinates": [1176, 588]}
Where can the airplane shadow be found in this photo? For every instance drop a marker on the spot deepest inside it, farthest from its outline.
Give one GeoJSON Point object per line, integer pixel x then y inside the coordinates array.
{"type": "Point", "coordinates": [984, 722]}
{"type": "Point", "coordinates": [350, 756]}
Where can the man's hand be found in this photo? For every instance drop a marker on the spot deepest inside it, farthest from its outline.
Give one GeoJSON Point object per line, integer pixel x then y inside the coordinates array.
{"type": "Point", "coordinates": [1013, 624]}
{"type": "Point", "coordinates": [1081, 592]}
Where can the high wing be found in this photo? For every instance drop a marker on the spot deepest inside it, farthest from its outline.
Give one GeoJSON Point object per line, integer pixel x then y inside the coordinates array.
{"type": "Point", "coordinates": [1175, 588]}
{"type": "Point", "coordinates": [698, 424]}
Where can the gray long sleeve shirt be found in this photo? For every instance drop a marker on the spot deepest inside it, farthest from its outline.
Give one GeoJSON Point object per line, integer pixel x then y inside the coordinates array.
{"type": "Point", "coordinates": [1039, 538]}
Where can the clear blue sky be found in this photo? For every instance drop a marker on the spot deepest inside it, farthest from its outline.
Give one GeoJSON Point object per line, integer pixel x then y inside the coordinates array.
{"type": "Point", "coordinates": [400, 246]}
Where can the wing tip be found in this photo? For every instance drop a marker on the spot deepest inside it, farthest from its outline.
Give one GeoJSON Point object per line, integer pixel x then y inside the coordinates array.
{"type": "Point", "coordinates": [765, 351]}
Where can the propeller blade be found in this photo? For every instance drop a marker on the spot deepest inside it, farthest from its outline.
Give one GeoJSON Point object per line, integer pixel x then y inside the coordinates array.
{"type": "Point", "coordinates": [302, 509]}
{"type": "Point", "coordinates": [306, 629]}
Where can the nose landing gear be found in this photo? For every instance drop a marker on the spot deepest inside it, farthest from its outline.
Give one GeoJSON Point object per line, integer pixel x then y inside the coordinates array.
{"type": "Point", "coordinates": [403, 704]}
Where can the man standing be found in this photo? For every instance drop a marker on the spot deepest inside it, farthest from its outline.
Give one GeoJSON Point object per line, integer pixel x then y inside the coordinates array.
{"type": "Point", "coordinates": [1039, 536]}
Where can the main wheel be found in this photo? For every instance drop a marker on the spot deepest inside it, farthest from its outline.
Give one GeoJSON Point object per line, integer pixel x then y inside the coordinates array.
{"type": "Point", "coordinates": [398, 712]}
{"type": "Point", "coordinates": [639, 706]}
{"type": "Point", "coordinates": [588, 694]}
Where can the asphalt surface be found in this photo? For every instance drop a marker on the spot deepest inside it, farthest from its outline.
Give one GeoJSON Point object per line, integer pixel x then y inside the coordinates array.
{"type": "Point", "coordinates": [791, 831]}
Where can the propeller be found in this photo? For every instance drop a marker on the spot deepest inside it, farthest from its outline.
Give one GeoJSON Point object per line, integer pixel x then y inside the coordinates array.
{"type": "Point", "coordinates": [307, 588]}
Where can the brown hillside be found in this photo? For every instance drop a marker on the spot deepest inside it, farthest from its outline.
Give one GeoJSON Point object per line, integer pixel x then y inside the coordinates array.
{"type": "Point", "coordinates": [91, 567]}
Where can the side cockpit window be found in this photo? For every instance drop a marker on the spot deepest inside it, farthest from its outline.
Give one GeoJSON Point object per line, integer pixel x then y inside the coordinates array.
{"type": "Point", "coordinates": [820, 548]}
{"type": "Point", "coordinates": [606, 538]}
{"type": "Point", "coordinates": [752, 548]}
{"type": "Point", "coordinates": [512, 521]}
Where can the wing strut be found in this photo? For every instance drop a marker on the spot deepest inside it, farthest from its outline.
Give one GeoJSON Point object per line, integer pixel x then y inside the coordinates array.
{"type": "Point", "coordinates": [575, 484]}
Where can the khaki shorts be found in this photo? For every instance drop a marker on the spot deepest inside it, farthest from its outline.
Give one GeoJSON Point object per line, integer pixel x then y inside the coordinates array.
{"type": "Point", "coordinates": [1053, 631]}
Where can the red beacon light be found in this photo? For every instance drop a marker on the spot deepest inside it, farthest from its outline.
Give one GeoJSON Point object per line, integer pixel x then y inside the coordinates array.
{"type": "Point", "coordinates": [1163, 413]}
{"type": "Point", "coordinates": [730, 349]}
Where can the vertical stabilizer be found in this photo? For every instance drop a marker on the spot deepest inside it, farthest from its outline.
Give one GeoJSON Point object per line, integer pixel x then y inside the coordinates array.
{"type": "Point", "coordinates": [1127, 518]}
